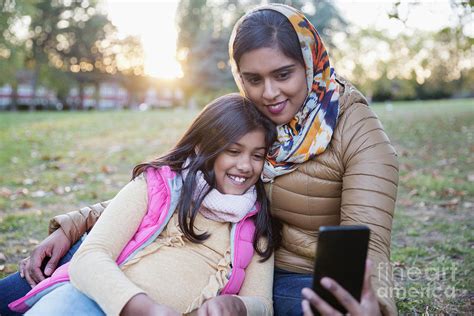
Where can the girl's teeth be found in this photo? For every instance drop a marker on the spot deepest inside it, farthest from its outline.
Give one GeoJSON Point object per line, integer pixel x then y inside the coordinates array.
{"type": "Point", "coordinates": [238, 179]}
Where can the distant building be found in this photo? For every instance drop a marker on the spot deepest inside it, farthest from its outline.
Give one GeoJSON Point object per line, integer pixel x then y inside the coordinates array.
{"type": "Point", "coordinates": [101, 92]}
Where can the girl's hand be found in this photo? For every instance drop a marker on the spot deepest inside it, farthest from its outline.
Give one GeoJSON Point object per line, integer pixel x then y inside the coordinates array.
{"type": "Point", "coordinates": [226, 305]}
{"type": "Point", "coordinates": [368, 302]}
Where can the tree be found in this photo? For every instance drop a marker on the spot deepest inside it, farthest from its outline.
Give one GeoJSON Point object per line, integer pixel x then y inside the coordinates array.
{"type": "Point", "coordinates": [204, 31]}
{"type": "Point", "coordinates": [64, 38]}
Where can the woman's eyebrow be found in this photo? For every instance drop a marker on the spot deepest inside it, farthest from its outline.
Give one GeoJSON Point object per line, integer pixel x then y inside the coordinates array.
{"type": "Point", "coordinates": [287, 67]}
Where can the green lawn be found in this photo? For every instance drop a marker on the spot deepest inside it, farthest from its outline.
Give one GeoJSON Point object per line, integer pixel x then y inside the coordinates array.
{"type": "Point", "coordinates": [52, 162]}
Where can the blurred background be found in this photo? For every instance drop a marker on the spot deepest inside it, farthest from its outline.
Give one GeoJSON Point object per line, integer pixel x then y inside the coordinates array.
{"type": "Point", "coordinates": [88, 89]}
{"type": "Point", "coordinates": [109, 54]}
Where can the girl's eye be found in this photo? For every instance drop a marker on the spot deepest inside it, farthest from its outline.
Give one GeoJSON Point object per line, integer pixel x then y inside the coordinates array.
{"type": "Point", "coordinates": [259, 157]}
{"type": "Point", "coordinates": [233, 151]}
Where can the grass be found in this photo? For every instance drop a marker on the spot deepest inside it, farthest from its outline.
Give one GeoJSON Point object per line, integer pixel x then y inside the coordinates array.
{"type": "Point", "coordinates": [53, 162]}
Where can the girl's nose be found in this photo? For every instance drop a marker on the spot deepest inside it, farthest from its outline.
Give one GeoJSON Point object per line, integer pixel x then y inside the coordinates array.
{"type": "Point", "coordinates": [243, 165]}
{"type": "Point", "coordinates": [270, 90]}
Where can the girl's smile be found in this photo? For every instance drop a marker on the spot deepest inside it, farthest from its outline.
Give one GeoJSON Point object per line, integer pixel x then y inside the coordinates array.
{"type": "Point", "coordinates": [239, 166]}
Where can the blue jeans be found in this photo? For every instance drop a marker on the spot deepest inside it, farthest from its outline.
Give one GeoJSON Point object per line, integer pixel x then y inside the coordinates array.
{"type": "Point", "coordinates": [65, 300]}
{"type": "Point", "coordinates": [14, 286]}
{"type": "Point", "coordinates": [287, 288]}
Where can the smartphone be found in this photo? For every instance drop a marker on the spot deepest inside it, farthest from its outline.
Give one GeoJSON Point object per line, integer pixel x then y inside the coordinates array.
{"type": "Point", "coordinates": [341, 254]}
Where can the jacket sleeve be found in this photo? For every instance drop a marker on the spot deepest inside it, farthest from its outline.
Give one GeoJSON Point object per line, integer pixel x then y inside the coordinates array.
{"type": "Point", "coordinates": [256, 291]}
{"type": "Point", "coordinates": [74, 224]}
{"type": "Point", "coordinates": [369, 191]}
{"type": "Point", "coordinates": [93, 269]}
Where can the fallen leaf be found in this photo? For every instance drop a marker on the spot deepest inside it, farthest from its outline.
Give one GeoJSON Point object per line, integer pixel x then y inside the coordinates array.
{"type": "Point", "coordinates": [26, 204]}
{"type": "Point", "coordinates": [33, 241]}
{"type": "Point", "coordinates": [2, 267]}
{"type": "Point", "coordinates": [470, 177]}
{"type": "Point", "coordinates": [59, 190]}
{"type": "Point", "coordinates": [468, 205]}
{"type": "Point", "coordinates": [405, 202]}
{"type": "Point", "coordinates": [39, 193]}
{"type": "Point", "coordinates": [5, 192]}
{"type": "Point", "coordinates": [451, 203]}
{"type": "Point", "coordinates": [107, 169]}
{"type": "Point", "coordinates": [28, 181]}
{"type": "Point", "coordinates": [22, 191]}
{"type": "Point", "coordinates": [3, 258]}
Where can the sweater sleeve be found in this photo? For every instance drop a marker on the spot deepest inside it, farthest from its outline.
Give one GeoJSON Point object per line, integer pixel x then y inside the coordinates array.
{"type": "Point", "coordinates": [256, 291]}
{"type": "Point", "coordinates": [369, 191]}
{"type": "Point", "coordinates": [74, 224]}
{"type": "Point", "coordinates": [93, 269]}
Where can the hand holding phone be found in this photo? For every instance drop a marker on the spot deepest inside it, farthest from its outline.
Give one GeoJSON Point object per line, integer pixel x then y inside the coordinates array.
{"type": "Point", "coordinates": [341, 254]}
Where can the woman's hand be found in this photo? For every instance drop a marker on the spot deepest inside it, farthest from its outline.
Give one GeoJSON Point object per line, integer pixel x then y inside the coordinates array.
{"type": "Point", "coordinates": [368, 302]}
{"type": "Point", "coordinates": [55, 246]}
{"type": "Point", "coordinates": [143, 305]}
{"type": "Point", "coordinates": [225, 305]}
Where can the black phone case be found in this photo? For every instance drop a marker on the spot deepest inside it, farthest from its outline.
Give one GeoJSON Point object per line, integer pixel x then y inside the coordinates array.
{"type": "Point", "coordinates": [341, 254]}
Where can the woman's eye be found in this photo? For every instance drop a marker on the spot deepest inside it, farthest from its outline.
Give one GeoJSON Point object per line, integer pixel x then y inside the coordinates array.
{"type": "Point", "coordinates": [253, 80]}
{"type": "Point", "coordinates": [283, 75]}
{"type": "Point", "coordinates": [259, 157]}
{"type": "Point", "coordinates": [233, 151]}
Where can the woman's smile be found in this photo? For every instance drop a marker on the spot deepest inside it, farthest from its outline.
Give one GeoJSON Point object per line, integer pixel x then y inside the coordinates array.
{"type": "Point", "coordinates": [274, 82]}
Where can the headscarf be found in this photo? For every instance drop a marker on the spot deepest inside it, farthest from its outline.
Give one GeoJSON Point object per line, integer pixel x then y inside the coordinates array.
{"type": "Point", "coordinates": [309, 133]}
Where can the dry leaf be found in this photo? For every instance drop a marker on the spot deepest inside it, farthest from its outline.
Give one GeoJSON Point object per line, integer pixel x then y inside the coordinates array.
{"type": "Point", "coordinates": [450, 203]}
{"type": "Point", "coordinates": [26, 204]}
{"type": "Point", "coordinates": [5, 192]}
{"type": "Point", "coordinates": [470, 177]}
{"type": "Point", "coordinates": [33, 241]}
{"type": "Point", "coordinates": [107, 169]}
{"type": "Point", "coordinates": [3, 258]}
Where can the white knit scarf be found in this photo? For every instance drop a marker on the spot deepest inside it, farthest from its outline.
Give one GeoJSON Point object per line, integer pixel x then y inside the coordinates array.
{"type": "Point", "coordinates": [222, 207]}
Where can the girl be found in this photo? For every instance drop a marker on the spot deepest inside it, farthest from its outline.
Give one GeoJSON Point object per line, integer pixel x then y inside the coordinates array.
{"type": "Point", "coordinates": [182, 232]}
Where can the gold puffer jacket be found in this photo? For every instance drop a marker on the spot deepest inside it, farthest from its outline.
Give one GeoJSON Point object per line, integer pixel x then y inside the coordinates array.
{"type": "Point", "coordinates": [354, 181]}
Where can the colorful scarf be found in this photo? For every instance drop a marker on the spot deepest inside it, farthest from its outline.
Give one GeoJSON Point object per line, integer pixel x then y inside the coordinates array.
{"type": "Point", "coordinates": [221, 207]}
{"type": "Point", "coordinates": [310, 131]}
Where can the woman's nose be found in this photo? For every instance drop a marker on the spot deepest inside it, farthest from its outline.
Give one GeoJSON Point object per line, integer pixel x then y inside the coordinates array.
{"type": "Point", "coordinates": [270, 90]}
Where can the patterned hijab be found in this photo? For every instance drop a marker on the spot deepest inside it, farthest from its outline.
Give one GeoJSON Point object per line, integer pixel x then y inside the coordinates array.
{"type": "Point", "coordinates": [310, 131]}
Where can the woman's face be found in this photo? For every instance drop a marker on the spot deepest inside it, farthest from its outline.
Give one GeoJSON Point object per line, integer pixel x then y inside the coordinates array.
{"type": "Point", "coordinates": [274, 82]}
{"type": "Point", "coordinates": [239, 166]}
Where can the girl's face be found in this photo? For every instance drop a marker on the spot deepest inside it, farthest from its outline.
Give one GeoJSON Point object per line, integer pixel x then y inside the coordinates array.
{"type": "Point", "coordinates": [239, 166]}
{"type": "Point", "coordinates": [274, 82]}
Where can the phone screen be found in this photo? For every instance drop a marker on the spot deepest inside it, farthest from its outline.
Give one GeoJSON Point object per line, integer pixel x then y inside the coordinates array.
{"type": "Point", "coordinates": [341, 254]}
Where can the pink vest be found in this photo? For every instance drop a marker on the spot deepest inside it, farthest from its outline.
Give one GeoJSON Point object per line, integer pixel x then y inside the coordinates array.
{"type": "Point", "coordinates": [164, 189]}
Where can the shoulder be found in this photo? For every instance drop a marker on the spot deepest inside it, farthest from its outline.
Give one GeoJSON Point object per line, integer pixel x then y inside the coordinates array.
{"type": "Point", "coordinates": [352, 103]}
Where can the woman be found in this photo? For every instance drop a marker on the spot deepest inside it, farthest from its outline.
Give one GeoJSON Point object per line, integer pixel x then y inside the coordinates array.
{"type": "Point", "coordinates": [332, 164]}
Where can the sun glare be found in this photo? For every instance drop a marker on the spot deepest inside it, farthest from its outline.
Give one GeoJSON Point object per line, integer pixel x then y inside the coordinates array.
{"type": "Point", "coordinates": [154, 22]}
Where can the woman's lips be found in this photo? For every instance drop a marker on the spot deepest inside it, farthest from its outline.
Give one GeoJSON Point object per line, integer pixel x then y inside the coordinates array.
{"type": "Point", "coordinates": [277, 108]}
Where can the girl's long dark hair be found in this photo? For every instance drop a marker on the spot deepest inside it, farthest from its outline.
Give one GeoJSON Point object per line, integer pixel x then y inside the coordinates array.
{"type": "Point", "coordinates": [222, 122]}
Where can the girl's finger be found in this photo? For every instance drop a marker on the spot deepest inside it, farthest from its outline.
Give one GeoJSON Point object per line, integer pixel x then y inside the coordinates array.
{"type": "Point", "coordinates": [317, 302]}
{"type": "Point", "coordinates": [344, 297]}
